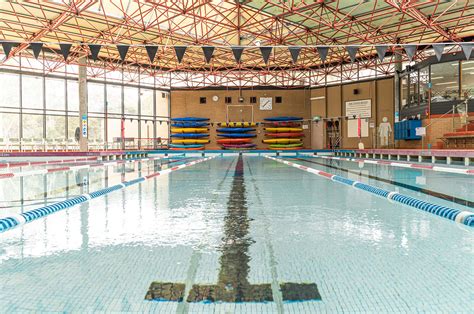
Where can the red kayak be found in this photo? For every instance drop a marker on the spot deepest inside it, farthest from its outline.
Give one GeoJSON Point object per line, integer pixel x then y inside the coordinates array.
{"type": "Point", "coordinates": [177, 148]}
{"type": "Point", "coordinates": [234, 140]}
{"type": "Point", "coordinates": [284, 123]}
{"type": "Point", "coordinates": [285, 148]}
{"type": "Point", "coordinates": [233, 146]}
{"type": "Point", "coordinates": [284, 134]}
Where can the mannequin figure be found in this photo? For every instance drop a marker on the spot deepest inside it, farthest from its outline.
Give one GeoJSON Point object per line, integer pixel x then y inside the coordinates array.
{"type": "Point", "coordinates": [385, 129]}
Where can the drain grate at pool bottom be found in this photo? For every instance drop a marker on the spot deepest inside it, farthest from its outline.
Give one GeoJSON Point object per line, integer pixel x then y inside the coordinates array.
{"type": "Point", "coordinates": [233, 284]}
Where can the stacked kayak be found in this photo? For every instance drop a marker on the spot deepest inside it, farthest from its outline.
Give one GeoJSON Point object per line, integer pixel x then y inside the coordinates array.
{"type": "Point", "coordinates": [283, 133]}
{"type": "Point", "coordinates": [236, 135]}
{"type": "Point", "coordinates": [189, 133]}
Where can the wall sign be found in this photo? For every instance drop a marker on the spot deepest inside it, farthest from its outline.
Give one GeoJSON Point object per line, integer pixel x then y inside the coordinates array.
{"type": "Point", "coordinates": [84, 125]}
{"type": "Point", "coordinates": [420, 131]}
{"type": "Point", "coordinates": [359, 108]}
{"type": "Point", "coordinates": [266, 103]}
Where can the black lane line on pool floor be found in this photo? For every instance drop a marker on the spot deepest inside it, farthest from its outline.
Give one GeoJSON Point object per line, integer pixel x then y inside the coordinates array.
{"type": "Point", "coordinates": [439, 195]}
{"type": "Point", "coordinates": [233, 284]}
{"type": "Point", "coordinates": [175, 291]}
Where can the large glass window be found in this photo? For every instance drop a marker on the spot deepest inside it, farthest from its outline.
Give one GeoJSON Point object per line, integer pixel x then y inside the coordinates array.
{"type": "Point", "coordinates": [55, 94]}
{"type": "Point", "coordinates": [445, 80]}
{"type": "Point", "coordinates": [32, 126]}
{"type": "Point", "coordinates": [72, 124]}
{"type": "Point", "coordinates": [114, 99]}
{"type": "Point", "coordinates": [60, 97]}
{"type": "Point", "coordinates": [413, 87]}
{"type": "Point", "coordinates": [113, 130]}
{"type": "Point", "coordinates": [72, 96]}
{"type": "Point", "coordinates": [55, 127]}
{"type": "Point", "coordinates": [467, 80]}
{"type": "Point", "coordinates": [424, 81]}
{"type": "Point", "coordinates": [96, 129]}
{"type": "Point", "coordinates": [146, 101]}
{"type": "Point", "coordinates": [9, 125]}
{"type": "Point", "coordinates": [95, 97]}
{"type": "Point", "coordinates": [32, 92]}
{"type": "Point", "coordinates": [162, 112]}
{"type": "Point", "coordinates": [130, 95]}
{"type": "Point", "coordinates": [404, 91]}
{"type": "Point", "coordinates": [9, 90]}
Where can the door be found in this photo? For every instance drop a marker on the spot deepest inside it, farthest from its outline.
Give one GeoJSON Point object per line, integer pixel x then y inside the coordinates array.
{"type": "Point", "coordinates": [317, 135]}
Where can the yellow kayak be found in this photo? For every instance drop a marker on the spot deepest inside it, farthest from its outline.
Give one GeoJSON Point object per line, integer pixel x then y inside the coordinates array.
{"type": "Point", "coordinates": [283, 129]}
{"type": "Point", "coordinates": [237, 124]}
{"type": "Point", "coordinates": [282, 140]}
{"type": "Point", "coordinates": [189, 130]}
{"type": "Point", "coordinates": [189, 141]}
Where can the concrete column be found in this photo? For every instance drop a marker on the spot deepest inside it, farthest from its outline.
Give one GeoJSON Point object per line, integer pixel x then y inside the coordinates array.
{"type": "Point", "coordinates": [83, 114]}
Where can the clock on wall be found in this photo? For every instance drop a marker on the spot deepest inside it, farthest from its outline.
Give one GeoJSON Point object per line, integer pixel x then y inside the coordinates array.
{"type": "Point", "coordinates": [266, 103]}
{"type": "Point", "coordinates": [215, 98]}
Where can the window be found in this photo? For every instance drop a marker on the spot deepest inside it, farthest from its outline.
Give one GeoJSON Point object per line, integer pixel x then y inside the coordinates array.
{"type": "Point", "coordinates": [95, 97]}
{"type": "Point", "coordinates": [467, 81]}
{"type": "Point", "coordinates": [9, 125]}
{"type": "Point", "coordinates": [114, 99]}
{"type": "Point", "coordinates": [113, 129]}
{"type": "Point", "coordinates": [95, 128]}
{"type": "Point", "coordinates": [72, 96]}
{"type": "Point", "coordinates": [278, 100]}
{"type": "Point", "coordinates": [202, 100]}
{"type": "Point", "coordinates": [146, 101]}
{"type": "Point", "coordinates": [9, 90]}
{"type": "Point", "coordinates": [55, 94]}
{"type": "Point", "coordinates": [424, 90]}
{"type": "Point", "coordinates": [55, 127]}
{"type": "Point", "coordinates": [72, 124]}
{"type": "Point", "coordinates": [253, 100]}
{"type": "Point", "coordinates": [445, 80]}
{"type": "Point", "coordinates": [228, 100]}
{"type": "Point", "coordinates": [404, 91]}
{"type": "Point", "coordinates": [33, 126]}
{"type": "Point", "coordinates": [413, 89]}
{"type": "Point", "coordinates": [32, 92]}
{"type": "Point", "coordinates": [130, 97]}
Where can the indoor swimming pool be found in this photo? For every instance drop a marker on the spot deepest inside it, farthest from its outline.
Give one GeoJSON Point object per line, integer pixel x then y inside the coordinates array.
{"type": "Point", "coordinates": [235, 234]}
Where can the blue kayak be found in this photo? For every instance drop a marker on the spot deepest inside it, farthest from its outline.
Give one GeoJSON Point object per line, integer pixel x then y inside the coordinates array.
{"type": "Point", "coordinates": [283, 119]}
{"type": "Point", "coordinates": [237, 135]}
{"type": "Point", "coordinates": [189, 124]}
{"type": "Point", "coordinates": [235, 130]}
{"type": "Point", "coordinates": [189, 119]}
{"type": "Point", "coordinates": [186, 146]}
{"type": "Point", "coordinates": [190, 135]}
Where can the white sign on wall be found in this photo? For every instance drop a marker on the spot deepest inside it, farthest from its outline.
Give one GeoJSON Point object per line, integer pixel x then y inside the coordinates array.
{"type": "Point", "coordinates": [421, 131]}
{"type": "Point", "coordinates": [359, 108]}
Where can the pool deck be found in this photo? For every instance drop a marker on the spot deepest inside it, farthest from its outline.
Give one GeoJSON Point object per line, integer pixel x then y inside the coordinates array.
{"type": "Point", "coordinates": [444, 156]}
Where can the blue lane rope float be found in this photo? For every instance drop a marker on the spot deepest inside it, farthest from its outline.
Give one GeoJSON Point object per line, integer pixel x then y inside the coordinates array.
{"type": "Point", "coordinates": [460, 216]}
{"type": "Point", "coordinates": [16, 220]}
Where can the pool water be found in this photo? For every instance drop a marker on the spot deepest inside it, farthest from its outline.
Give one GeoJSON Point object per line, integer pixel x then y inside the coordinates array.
{"type": "Point", "coordinates": [237, 234]}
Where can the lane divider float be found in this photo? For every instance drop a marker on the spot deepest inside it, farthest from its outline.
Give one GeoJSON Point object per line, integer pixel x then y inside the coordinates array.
{"type": "Point", "coordinates": [7, 175]}
{"type": "Point", "coordinates": [460, 216]}
{"type": "Point", "coordinates": [16, 220]}
{"type": "Point", "coordinates": [39, 163]}
{"type": "Point", "coordinates": [403, 164]}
